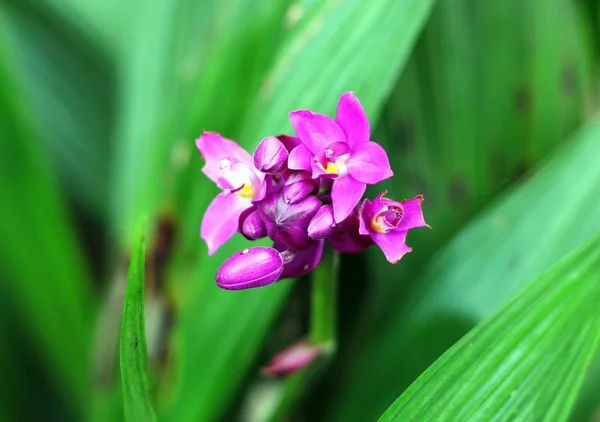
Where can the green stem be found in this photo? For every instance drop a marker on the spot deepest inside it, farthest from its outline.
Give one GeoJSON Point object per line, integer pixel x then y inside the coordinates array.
{"type": "Point", "coordinates": [323, 299]}
{"type": "Point", "coordinates": [322, 332]}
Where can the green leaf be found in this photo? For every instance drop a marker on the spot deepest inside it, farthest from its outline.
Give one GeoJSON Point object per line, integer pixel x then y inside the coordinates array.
{"type": "Point", "coordinates": [469, 115]}
{"type": "Point", "coordinates": [42, 266]}
{"type": "Point", "coordinates": [69, 94]}
{"type": "Point", "coordinates": [527, 361]}
{"type": "Point", "coordinates": [133, 353]}
{"type": "Point", "coordinates": [513, 241]}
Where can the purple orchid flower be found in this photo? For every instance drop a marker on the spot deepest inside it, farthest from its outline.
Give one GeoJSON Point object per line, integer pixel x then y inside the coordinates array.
{"type": "Point", "coordinates": [339, 149]}
{"type": "Point", "coordinates": [388, 222]}
{"type": "Point", "coordinates": [232, 169]}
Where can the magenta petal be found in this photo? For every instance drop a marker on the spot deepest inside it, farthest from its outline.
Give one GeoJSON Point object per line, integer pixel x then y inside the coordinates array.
{"type": "Point", "coordinates": [289, 142]}
{"type": "Point", "coordinates": [252, 267]}
{"type": "Point", "coordinates": [412, 215]}
{"type": "Point", "coordinates": [345, 195]}
{"type": "Point", "coordinates": [297, 191]}
{"type": "Point", "coordinates": [213, 148]}
{"type": "Point", "coordinates": [352, 119]}
{"type": "Point", "coordinates": [315, 130]}
{"type": "Point", "coordinates": [350, 243]}
{"type": "Point", "coordinates": [300, 158]}
{"type": "Point", "coordinates": [304, 261]}
{"type": "Point", "coordinates": [369, 163]}
{"type": "Point", "coordinates": [292, 359]}
{"type": "Point", "coordinates": [221, 220]}
{"type": "Point", "coordinates": [364, 217]}
{"type": "Point", "coordinates": [392, 243]}
{"type": "Point", "coordinates": [321, 225]}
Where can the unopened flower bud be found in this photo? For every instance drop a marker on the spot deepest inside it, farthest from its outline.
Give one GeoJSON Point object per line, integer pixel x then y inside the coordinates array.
{"type": "Point", "coordinates": [270, 156]}
{"type": "Point", "coordinates": [297, 191]}
{"type": "Point", "coordinates": [253, 227]}
{"type": "Point", "coordinates": [292, 359]}
{"type": "Point", "coordinates": [252, 267]}
{"type": "Point", "coordinates": [321, 225]}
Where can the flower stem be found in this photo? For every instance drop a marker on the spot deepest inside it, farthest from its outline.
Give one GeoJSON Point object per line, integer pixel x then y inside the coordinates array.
{"type": "Point", "coordinates": [323, 299]}
{"type": "Point", "coordinates": [322, 332]}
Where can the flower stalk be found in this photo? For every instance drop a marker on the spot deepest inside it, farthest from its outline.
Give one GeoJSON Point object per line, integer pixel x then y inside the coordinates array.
{"type": "Point", "coordinates": [323, 334]}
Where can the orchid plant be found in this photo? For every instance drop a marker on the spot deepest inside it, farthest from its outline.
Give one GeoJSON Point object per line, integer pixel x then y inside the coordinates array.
{"type": "Point", "coordinates": [302, 191]}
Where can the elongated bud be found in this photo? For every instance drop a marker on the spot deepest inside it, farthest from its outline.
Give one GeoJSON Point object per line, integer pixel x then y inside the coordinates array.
{"type": "Point", "coordinates": [270, 156]}
{"type": "Point", "coordinates": [321, 225]}
{"type": "Point", "coordinates": [252, 267]}
{"type": "Point", "coordinates": [298, 191]}
{"type": "Point", "coordinates": [292, 359]}
{"type": "Point", "coordinates": [253, 227]}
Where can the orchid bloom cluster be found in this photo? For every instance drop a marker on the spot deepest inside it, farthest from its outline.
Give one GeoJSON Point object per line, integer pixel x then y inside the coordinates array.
{"type": "Point", "coordinates": [301, 191]}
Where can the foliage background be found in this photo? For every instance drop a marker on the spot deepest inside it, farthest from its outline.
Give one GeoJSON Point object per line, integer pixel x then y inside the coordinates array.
{"type": "Point", "coordinates": [487, 108]}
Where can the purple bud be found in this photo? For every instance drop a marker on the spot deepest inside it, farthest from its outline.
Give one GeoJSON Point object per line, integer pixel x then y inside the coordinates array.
{"type": "Point", "coordinates": [292, 359]}
{"type": "Point", "coordinates": [321, 225]}
{"type": "Point", "coordinates": [253, 227]}
{"type": "Point", "coordinates": [301, 262]}
{"type": "Point", "coordinates": [297, 191]}
{"type": "Point", "coordinates": [288, 223]}
{"type": "Point", "coordinates": [298, 176]}
{"type": "Point", "coordinates": [270, 156]}
{"type": "Point", "coordinates": [252, 267]}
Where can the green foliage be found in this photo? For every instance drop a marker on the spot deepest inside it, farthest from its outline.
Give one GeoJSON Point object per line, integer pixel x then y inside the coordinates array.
{"type": "Point", "coordinates": [475, 101]}
{"type": "Point", "coordinates": [527, 361]}
{"type": "Point", "coordinates": [133, 354]}
{"type": "Point", "coordinates": [483, 266]}
{"type": "Point", "coordinates": [42, 267]}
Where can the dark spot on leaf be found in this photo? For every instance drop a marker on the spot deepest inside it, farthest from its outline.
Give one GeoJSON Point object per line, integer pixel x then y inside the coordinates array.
{"type": "Point", "coordinates": [522, 99]}
{"type": "Point", "coordinates": [136, 342]}
{"type": "Point", "coordinates": [419, 187]}
{"type": "Point", "coordinates": [458, 192]}
{"type": "Point", "coordinates": [521, 170]}
{"type": "Point", "coordinates": [569, 81]}
{"type": "Point", "coordinates": [405, 135]}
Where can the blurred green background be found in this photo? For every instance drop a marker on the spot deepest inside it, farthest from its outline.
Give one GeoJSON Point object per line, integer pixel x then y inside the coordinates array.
{"type": "Point", "coordinates": [487, 108]}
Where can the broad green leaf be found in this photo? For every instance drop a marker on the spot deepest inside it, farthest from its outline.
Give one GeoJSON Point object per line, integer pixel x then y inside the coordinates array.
{"type": "Point", "coordinates": [133, 353]}
{"type": "Point", "coordinates": [42, 266]}
{"type": "Point", "coordinates": [516, 239]}
{"type": "Point", "coordinates": [526, 361]}
{"type": "Point", "coordinates": [468, 116]}
{"type": "Point", "coordinates": [69, 93]}
{"type": "Point", "coordinates": [219, 333]}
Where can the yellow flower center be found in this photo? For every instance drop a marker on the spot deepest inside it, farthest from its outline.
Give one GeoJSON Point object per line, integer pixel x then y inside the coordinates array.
{"type": "Point", "coordinates": [332, 168]}
{"type": "Point", "coordinates": [246, 191]}
{"type": "Point", "coordinates": [378, 226]}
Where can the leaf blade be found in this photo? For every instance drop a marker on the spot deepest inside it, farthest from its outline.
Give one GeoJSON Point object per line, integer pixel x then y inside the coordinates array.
{"type": "Point", "coordinates": [133, 353]}
{"type": "Point", "coordinates": [495, 370]}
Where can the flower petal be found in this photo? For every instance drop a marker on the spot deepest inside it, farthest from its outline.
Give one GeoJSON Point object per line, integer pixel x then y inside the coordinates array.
{"type": "Point", "coordinates": [221, 220]}
{"type": "Point", "coordinates": [315, 130]}
{"type": "Point", "coordinates": [345, 195]}
{"type": "Point", "coordinates": [304, 261]}
{"type": "Point", "coordinates": [321, 225]}
{"type": "Point", "coordinates": [352, 242]}
{"type": "Point", "coordinates": [213, 148]}
{"type": "Point", "coordinates": [364, 217]}
{"type": "Point", "coordinates": [412, 215]}
{"type": "Point", "coordinates": [393, 244]}
{"type": "Point", "coordinates": [352, 119]}
{"type": "Point", "coordinates": [368, 163]}
{"type": "Point", "coordinates": [300, 158]}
